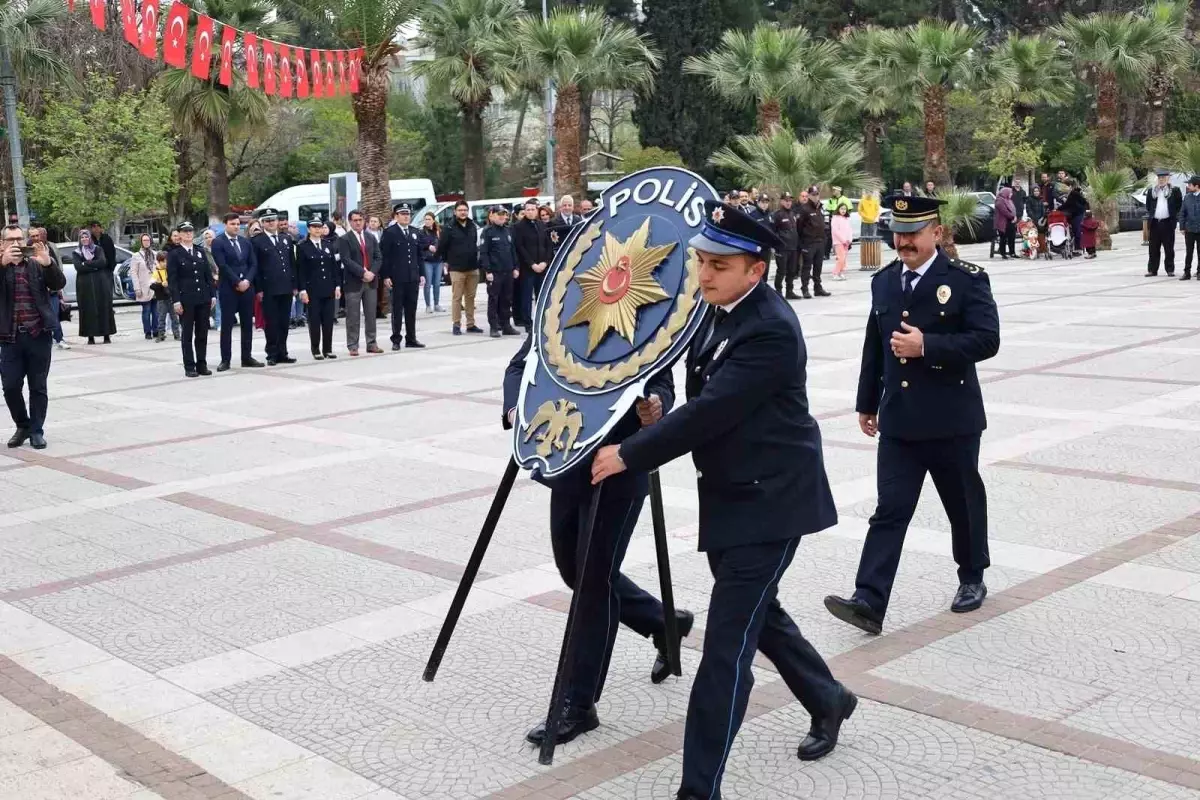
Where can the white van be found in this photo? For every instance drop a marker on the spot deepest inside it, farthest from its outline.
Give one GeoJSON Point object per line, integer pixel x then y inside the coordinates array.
{"type": "Point", "coordinates": [301, 202]}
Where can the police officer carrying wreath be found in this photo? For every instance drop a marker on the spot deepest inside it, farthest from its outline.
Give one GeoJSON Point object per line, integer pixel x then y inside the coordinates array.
{"type": "Point", "coordinates": [319, 276]}
{"type": "Point", "coordinates": [401, 273]}
{"type": "Point", "coordinates": [932, 319]}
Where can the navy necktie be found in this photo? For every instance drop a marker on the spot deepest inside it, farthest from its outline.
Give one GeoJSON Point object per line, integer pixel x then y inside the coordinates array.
{"type": "Point", "coordinates": [910, 275]}
{"type": "Point", "coordinates": [719, 314]}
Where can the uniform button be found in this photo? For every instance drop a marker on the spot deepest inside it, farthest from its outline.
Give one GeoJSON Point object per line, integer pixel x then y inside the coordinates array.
{"type": "Point", "coordinates": [961, 383]}
{"type": "Point", "coordinates": [941, 313]}
{"type": "Point", "coordinates": [699, 474]}
{"type": "Point", "coordinates": [903, 384]}
{"type": "Point", "coordinates": [904, 314]}
{"type": "Point", "coordinates": [904, 361]}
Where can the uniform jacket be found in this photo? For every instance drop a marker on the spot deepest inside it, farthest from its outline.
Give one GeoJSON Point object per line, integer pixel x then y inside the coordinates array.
{"type": "Point", "coordinates": [810, 223]}
{"type": "Point", "coordinates": [935, 396]}
{"type": "Point", "coordinates": [532, 241]}
{"type": "Point", "coordinates": [42, 281]}
{"type": "Point", "coordinates": [276, 269]}
{"type": "Point", "coordinates": [401, 249]}
{"type": "Point", "coordinates": [580, 478]}
{"type": "Point", "coordinates": [318, 270]}
{"type": "Point", "coordinates": [757, 449]}
{"type": "Point", "coordinates": [758, 215]}
{"type": "Point", "coordinates": [1189, 213]}
{"type": "Point", "coordinates": [235, 264]}
{"type": "Point", "coordinates": [459, 246]}
{"type": "Point", "coordinates": [350, 252]}
{"type": "Point", "coordinates": [785, 224]}
{"type": "Point", "coordinates": [497, 253]}
{"type": "Point", "coordinates": [189, 278]}
{"type": "Point", "coordinates": [1174, 202]}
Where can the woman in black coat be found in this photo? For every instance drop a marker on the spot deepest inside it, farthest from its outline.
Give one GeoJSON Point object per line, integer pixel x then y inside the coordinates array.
{"type": "Point", "coordinates": [94, 290]}
{"type": "Point", "coordinates": [319, 274]}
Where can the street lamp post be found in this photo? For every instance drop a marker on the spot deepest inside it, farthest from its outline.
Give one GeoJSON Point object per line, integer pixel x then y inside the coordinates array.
{"type": "Point", "coordinates": [8, 81]}
{"type": "Point", "coordinates": [549, 122]}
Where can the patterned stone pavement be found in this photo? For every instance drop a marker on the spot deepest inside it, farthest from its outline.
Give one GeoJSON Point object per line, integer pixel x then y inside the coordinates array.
{"type": "Point", "coordinates": [227, 587]}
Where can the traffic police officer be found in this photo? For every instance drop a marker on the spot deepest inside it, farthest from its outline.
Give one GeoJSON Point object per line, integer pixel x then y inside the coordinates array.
{"type": "Point", "coordinates": [787, 257]}
{"type": "Point", "coordinates": [762, 486]}
{"type": "Point", "coordinates": [319, 276]}
{"type": "Point", "coordinates": [932, 319]}
{"type": "Point", "coordinates": [402, 273]}
{"type": "Point", "coordinates": [189, 279]}
{"type": "Point", "coordinates": [276, 285]}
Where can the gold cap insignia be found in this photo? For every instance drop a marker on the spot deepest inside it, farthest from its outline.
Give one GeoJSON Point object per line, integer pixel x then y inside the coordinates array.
{"type": "Point", "coordinates": [718, 215]}
{"type": "Point", "coordinates": [900, 205]}
{"type": "Point", "coordinates": [943, 294]}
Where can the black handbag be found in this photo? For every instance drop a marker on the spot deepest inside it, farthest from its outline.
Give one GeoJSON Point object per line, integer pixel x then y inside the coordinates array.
{"type": "Point", "coordinates": [64, 311]}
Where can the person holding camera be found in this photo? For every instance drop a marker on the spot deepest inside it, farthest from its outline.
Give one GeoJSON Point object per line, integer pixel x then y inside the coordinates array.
{"type": "Point", "coordinates": [189, 280]}
{"type": "Point", "coordinates": [26, 331]}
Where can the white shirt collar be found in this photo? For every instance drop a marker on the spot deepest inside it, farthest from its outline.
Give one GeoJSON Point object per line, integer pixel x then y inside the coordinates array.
{"type": "Point", "coordinates": [728, 309]}
{"type": "Point", "coordinates": [921, 270]}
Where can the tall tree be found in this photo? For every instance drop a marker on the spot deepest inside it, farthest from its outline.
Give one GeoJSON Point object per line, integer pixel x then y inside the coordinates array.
{"type": "Point", "coordinates": [472, 56]}
{"type": "Point", "coordinates": [831, 18]}
{"type": "Point", "coordinates": [768, 66]}
{"type": "Point", "coordinates": [574, 49]}
{"type": "Point", "coordinates": [778, 160]}
{"type": "Point", "coordinates": [1040, 75]}
{"type": "Point", "coordinates": [1173, 56]}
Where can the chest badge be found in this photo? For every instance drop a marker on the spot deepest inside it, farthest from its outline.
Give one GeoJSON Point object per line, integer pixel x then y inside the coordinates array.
{"type": "Point", "coordinates": [943, 294]}
{"type": "Point", "coordinates": [720, 348]}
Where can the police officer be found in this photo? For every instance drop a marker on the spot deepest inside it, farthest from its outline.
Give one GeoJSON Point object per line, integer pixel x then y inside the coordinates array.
{"type": "Point", "coordinates": [319, 276]}
{"type": "Point", "coordinates": [402, 273]}
{"type": "Point", "coordinates": [932, 319]}
{"type": "Point", "coordinates": [276, 285]}
{"type": "Point", "coordinates": [606, 596]}
{"type": "Point", "coordinates": [787, 257]}
{"type": "Point", "coordinates": [760, 212]}
{"type": "Point", "coordinates": [762, 486]}
{"type": "Point", "coordinates": [498, 258]}
{"type": "Point", "coordinates": [189, 279]}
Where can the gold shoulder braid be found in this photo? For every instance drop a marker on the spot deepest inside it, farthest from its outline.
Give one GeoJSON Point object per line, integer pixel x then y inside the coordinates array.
{"type": "Point", "coordinates": [966, 266]}
{"type": "Point", "coordinates": [563, 361]}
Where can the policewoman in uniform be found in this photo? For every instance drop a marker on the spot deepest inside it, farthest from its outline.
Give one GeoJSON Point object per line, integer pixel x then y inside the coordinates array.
{"type": "Point", "coordinates": [319, 275]}
{"type": "Point", "coordinates": [606, 596]}
{"type": "Point", "coordinates": [189, 279]}
{"type": "Point", "coordinates": [762, 486]}
{"type": "Point", "coordinates": [276, 284]}
{"type": "Point", "coordinates": [402, 263]}
{"type": "Point", "coordinates": [932, 320]}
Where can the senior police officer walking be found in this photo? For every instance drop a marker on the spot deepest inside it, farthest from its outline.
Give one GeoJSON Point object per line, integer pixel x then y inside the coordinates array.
{"type": "Point", "coordinates": [402, 262]}
{"type": "Point", "coordinates": [762, 485]}
{"type": "Point", "coordinates": [276, 285]}
{"type": "Point", "coordinates": [932, 319]}
{"type": "Point", "coordinates": [319, 276]}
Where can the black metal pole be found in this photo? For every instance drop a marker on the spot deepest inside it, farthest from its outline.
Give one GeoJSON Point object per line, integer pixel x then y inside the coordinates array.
{"type": "Point", "coordinates": [562, 675]}
{"type": "Point", "coordinates": [472, 570]}
{"type": "Point", "coordinates": [664, 573]}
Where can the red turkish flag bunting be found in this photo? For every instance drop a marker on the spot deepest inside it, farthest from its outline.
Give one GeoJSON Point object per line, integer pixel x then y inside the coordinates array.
{"type": "Point", "coordinates": [301, 62]}
{"type": "Point", "coordinates": [175, 36]}
{"type": "Point", "coordinates": [202, 47]}
{"type": "Point", "coordinates": [318, 85]}
{"type": "Point", "coordinates": [71, 6]}
{"type": "Point", "coordinates": [149, 42]}
{"type": "Point", "coordinates": [355, 69]}
{"type": "Point", "coordinates": [330, 86]}
{"type": "Point", "coordinates": [285, 71]}
{"type": "Point", "coordinates": [129, 22]}
{"type": "Point", "coordinates": [250, 43]}
{"type": "Point", "coordinates": [228, 34]}
{"type": "Point", "coordinates": [97, 7]}
{"type": "Point", "coordinates": [341, 80]}
{"type": "Point", "coordinates": [269, 66]}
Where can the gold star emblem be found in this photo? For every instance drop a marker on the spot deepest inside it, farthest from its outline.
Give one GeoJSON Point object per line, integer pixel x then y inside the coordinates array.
{"type": "Point", "coordinates": [718, 215]}
{"type": "Point", "coordinates": [620, 284]}
{"type": "Point", "coordinates": [554, 236]}
{"type": "Point", "coordinates": [901, 205]}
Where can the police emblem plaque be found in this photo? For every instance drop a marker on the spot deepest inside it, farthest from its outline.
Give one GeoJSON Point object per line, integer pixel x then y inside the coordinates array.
{"type": "Point", "coordinates": [620, 302]}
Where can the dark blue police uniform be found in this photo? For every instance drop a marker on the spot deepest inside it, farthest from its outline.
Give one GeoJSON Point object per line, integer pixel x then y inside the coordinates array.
{"type": "Point", "coordinates": [402, 262]}
{"type": "Point", "coordinates": [498, 257]}
{"type": "Point", "coordinates": [319, 275]}
{"type": "Point", "coordinates": [930, 417]}
{"type": "Point", "coordinates": [189, 279]}
{"type": "Point", "coordinates": [278, 285]}
{"type": "Point", "coordinates": [606, 595]}
{"type": "Point", "coordinates": [762, 486]}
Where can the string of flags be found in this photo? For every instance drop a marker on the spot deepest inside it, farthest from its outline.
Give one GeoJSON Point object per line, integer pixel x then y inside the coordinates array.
{"type": "Point", "coordinates": [284, 71]}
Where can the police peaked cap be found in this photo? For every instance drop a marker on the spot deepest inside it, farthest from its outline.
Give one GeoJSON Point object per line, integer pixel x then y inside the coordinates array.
{"type": "Point", "coordinates": [728, 231]}
{"type": "Point", "coordinates": [266, 215]}
{"type": "Point", "coordinates": [911, 214]}
{"type": "Point", "coordinates": [401, 207]}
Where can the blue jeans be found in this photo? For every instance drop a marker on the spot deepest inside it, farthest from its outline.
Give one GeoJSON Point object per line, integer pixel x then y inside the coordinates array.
{"type": "Point", "coordinates": [54, 306]}
{"type": "Point", "coordinates": [216, 315]}
{"type": "Point", "coordinates": [150, 317]}
{"type": "Point", "coordinates": [432, 270]}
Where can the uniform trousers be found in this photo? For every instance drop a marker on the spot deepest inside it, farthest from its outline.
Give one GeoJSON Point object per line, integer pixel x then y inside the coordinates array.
{"type": "Point", "coordinates": [1162, 235]}
{"type": "Point", "coordinates": [277, 317]}
{"type": "Point", "coordinates": [786, 266]}
{"type": "Point", "coordinates": [810, 266]}
{"type": "Point", "coordinates": [240, 306]}
{"type": "Point", "coordinates": [322, 311]}
{"type": "Point", "coordinates": [1191, 241]}
{"type": "Point", "coordinates": [26, 359]}
{"type": "Point", "coordinates": [606, 596]}
{"type": "Point", "coordinates": [744, 616]}
{"type": "Point", "coordinates": [953, 463]}
{"type": "Point", "coordinates": [194, 343]}
{"type": "Point", "coordinates": [404, 307]}
{"type": "Point", "coordinates": [500, 295]}
{"type": "Point", "coordinates": [360, 306]}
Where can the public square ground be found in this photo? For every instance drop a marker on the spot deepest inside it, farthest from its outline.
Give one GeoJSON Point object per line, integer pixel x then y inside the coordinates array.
{"type": "Point", "coordinates": [227, 587]}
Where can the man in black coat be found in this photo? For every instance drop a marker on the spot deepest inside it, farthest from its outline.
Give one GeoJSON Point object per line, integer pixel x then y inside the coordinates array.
{"type": "Point", "coordinates": [810, 221]}
{"type": "Point", "coordinates": [498, 258]}
{"type": "Point", "coordinates": [532, 241]}
{"type": "Point", "coordinates": [1163, 203]}
{"type": "Point", "coordinates": [401, 249]}
{"type": "Point", "coordinates": [458, 248]}
{"type": "Point", "coordinates": [785, 223]}
{"type": "Point", "coordinates": [932, 319]}
{"type": "Point", "coordinates": [189, 280]}
{"type": "Point", "coordinates": [762, 485]}
{"type": "Point", "coordinates": [276, 285]}
{"type": "Point", "coordinates": [235, 260]}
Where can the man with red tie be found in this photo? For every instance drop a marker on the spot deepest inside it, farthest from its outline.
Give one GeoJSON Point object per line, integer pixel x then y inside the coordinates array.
{"type": "Point", "coordinates": [361, 260]}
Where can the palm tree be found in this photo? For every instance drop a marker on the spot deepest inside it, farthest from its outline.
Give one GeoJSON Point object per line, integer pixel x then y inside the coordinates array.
{"type": "Point", "coordinates": [929, 59]}
{"type": "Point", "coordinates": [23, 53]}
{"type": "Point", "coordinates": [1175, 152]}
{"type": "Point", "coordinates": [580, 48]}
{"type": "Point", "coordinates": [471, 57]}
{"type": "Point", "coordinates": [1041, 74]}
{"type": "Point", "coordinates": [962, 212]}
{"type": "Point", "coordinates": [1116, 50]}
{"type": "Point", "coordinates": [778, 160]}
{"type": "Point", "coordinates": [211, 111]}
{"type": "Point", "coordinates": [769, 66]}
{"type": "Point", "coordinates": [1173, 55]}
{"type": "Point", "coordinates": [375, 26]}
{"type": "Point", "coordinates": [1104, 189]}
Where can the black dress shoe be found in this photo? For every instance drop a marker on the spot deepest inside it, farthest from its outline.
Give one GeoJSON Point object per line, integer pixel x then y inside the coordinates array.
{"type": "Point", "coordinates": [968, 598]}
{"type": "Point", "coordinates": [395, 346]}
{"type": "Point", "coordinates": [855, 611]}
{"type": "Point", "coordinates": [191, 373]}
{"type": "Point", "coordinates": [223, 366]}
{"type": "Point", "coordinates": [204, 370]}
{"type": "Point", "coordinates": [286, 360]}
{"type": "Point", "coordinates": [474, 329]}
{"type": "Point", "coordinates": [683, 626]}
{"type": "Point", "coordinates": [820, 292]}
{"type": "Point", "coordinates": [806, 293]}
{"type": "Point", "coordinates": [19, 437]}
{"type": "Point", "coordinates": [509, 330]}
{"type": "Point", "coordinates": [37, 441]}
{"type": "Point", "coordinates": [792, 296]}
{"type": "Point", "coordinates": [271, 362]}
{"type": "Point", "coordinates": [253, 363]}
{"type": "Point", "coordinates": [1186, 277]}
{"type": "Point", "coordinates": [1151, 275]}
{"type": "Point", "coordinates": [318, 357]}
{"type": "Point", "coordinates": [575, 722]}
{"type": "Point", "coordinates": [330, 355]}
{"type": "Point", "coordinates": [414, 343]}
{"type": "Point", "coordinates": [823, 735]}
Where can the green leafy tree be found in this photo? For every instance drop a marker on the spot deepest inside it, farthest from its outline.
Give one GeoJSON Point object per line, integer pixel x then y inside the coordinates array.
{"type": "Point", "coordinates": [1174, 152]}
{"type": "Point", "coordinates": [102, 154]}
{"type": "Point", "coordinates": [1016, 151]}
{"type": "Point", "coordinates": [780, 161]}
{"type": "Point", "coordinates": [1040, 72]}
{"type": "Point", "coordinates": [961, 214]}
{"type": "Point", "coordinates": [1173, 56]}
{"type": "Point", "coordinates": [1103, 189]}
{"type": "Point", "coordinates": [638, 158]}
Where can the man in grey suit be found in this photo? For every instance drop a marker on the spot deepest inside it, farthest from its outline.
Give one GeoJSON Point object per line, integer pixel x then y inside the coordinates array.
{"type": "Point", "coordinates": [361, 260]}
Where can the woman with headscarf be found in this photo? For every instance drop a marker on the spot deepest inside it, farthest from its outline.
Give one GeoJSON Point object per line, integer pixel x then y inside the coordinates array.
{"type": "Point", "coordinates": [1006, 223]}
{"type": "Point", "coordinates": [94, 290]}
{"type": "Point", "coordinates": [141, 272]}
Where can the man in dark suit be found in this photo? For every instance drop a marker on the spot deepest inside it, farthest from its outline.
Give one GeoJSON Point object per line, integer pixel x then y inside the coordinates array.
{"type": "Point", "coordinates": [762, 486]}
{"type": "Point", "coordinates": [932, 319]}
{"type": "Point", "coordinates": [1163, 203]}
{"type": "Point", "coordinates": [361, 261]}
{"type": "Point", "coordinates": [532, 241]}
{"type": "Point", "coordinates": [189, 281]}
{"type": "Point", "coordinates": [235, 291]}
{"type": "Point", "coordinates": [606, 595]}
{"type": "Point", "coordinates": [276, 284]}
{"type": "Point", "coordinates": [566, 213]}
{"type": "Point", "coordinates": [401, 259]}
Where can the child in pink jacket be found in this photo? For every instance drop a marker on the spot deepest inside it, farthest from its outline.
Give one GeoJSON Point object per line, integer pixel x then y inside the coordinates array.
{"type": "Point", "coordinates": [843, 237]}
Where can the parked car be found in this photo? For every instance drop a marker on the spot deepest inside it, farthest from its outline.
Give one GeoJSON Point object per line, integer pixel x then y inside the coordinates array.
{"type": "Point", "coordinates": [122, 285]}
{"type": "Point", "coordinates": [984, 229]}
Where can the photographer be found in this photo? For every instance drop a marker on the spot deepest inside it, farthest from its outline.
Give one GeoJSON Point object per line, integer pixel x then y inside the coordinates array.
{"type": "Point", "coordinates": [26, 331]}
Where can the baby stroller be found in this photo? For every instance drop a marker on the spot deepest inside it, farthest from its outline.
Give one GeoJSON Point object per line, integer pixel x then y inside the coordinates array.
{"type": "Point", "coordinates": [1028, 233]}
{"type": "Point", "coordinates": [1058, 236]}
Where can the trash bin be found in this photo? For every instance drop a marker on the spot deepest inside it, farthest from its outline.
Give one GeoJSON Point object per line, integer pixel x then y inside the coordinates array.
{"type": "Point", "coordinates": [871, 256]}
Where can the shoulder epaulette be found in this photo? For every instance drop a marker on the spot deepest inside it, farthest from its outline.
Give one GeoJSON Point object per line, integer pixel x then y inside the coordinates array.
{"type": "Point", "coordinates": [966, 266]}
{"type": "Point", "coordinates": [884, 268]}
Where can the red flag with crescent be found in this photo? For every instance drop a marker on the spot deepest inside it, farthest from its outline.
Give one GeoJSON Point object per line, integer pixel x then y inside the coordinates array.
{"type": "Point", "coordinates": [202, 48]}
{"type": "Point", "coordinates": [97, 7]}
{"type": "Point", "coordinates": [318, 85]}
{"type": "Point", "coordinates": [149, 43]}
{"type": "Point", "coordinates": [301, 62]}
{"type": "Point", "coordinates": [228, 34]}
{"type": "Point", "coordinates": [269, 66]}
{"type": "Point", "coordinates": [250, 43]}
{"type": "Point", "coordinates": [129, 22]}
{"type": "Point", "coordinates": [285, 71]}
{"type": "Point", "coordinates": [330, 86]}
{"type": "Point", "coordinates": [175, 36]}
{"type": "Point", "coordinates": [355, 69]}
{"type": "Point", "coordinates": [341, 79]}
{"type": "Point", "coordinates": [71, 6]}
